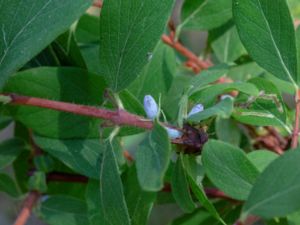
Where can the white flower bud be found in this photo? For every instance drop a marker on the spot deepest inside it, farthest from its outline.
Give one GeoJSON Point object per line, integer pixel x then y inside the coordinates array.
{"type": "Point", "coordinates": [150, 107]}
{"type": "Point", "coordinates": [173, 133]}
{"type": "Point", "coordinates": [196, 109]}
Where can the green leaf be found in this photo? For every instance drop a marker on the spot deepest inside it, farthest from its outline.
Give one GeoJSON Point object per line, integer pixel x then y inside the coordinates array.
{"type": "Point", "coordinates": [37, 182]}
{"type": "Point", "coordinates": [201, 196]}
{"type": "Point", "coordinates": [171, 101]}
{"type": "Point", "coordinates": [266, 30]}
{"type": "Point", "coordinates": [207, 77]}
{"type": "Point", "coordinates": [228, 46]}
{"type": "Point", "coordinates": [65, 210]}
{"type": "Point", "coordinates": [222, 109]}
{"type": "Point", "coordinates": [158, 71]}
{"type": "Point", "coordinates": [4, 121]}
{"type": "Point", "coordinates": [152, 159]}
{"type": "Point", "coordinates": [93, 201]}
{"type": "Point", "coordinates": [194, 167]}
{"type": "Point", "coordinates": [64, 84]}
{"type": "Point", "coordinates": [276, 191]}
{"type": "Point", "coordinates": [129, 32]}
{"type": "Point", "coordinates": [131, 103]}
{"type": "Point", "coordinates": [294, 218]}
{"type": "Point", "coordinates": [44, 163]}
{"type": "Point", "coordinates": [228, 131]}
{"type": "Point", "coordinates": [245, 71]}
{"type": "Point", "coordinates": [23, 32]}
{"type": "Point", "coordinates": [180, 187]}
{"type": "Point", "coordinates": [139, 202]}
{"type": "Point", "coordinates": [199, 217]}
{"type": "Point", "coordinates": [21, 168]}
{"type": "Point", "coordinates": [258, 118]}
{"type": "Point", "coordinates": [81, 155]}
{"type": "Point", "coordinates": [8, 185]}
{"type": "Point", "coordinates": [262, 158]}
{"type": "Point", "coordinates": [229, 169]}
{"type": "Point", "coordinates": [68, 51]}
{"type": "Point", "coordinates": [298, 50]}
{"type": "Point", "coordinates": [209, 93]}
{"type": "Point", "coordinates": [205, 14]}
{"type": "Point", "coordinates": [282, 85]}
{"type": "Point", "coordinates": [88, 37]}
{"type": "Point", "coordinates": [112, 197]}
{"type": "Point", "coordinates": [10, 150]}
{"type": "Point", "coordinates": [87, 29]}
{"type": "Point", "coordinates": [271, 100]}
{"type": "Point", "coordinates": [90, 54]}
{"type": "Point", "coordinates": [184, 85]}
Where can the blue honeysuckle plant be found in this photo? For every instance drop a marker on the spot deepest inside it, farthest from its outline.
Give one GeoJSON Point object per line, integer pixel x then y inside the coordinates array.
{"type": "Point", "coordinates": [91, 144]}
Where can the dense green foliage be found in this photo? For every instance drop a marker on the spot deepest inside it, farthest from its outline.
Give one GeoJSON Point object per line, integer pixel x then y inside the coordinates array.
{"type": "Point", "coordinates": [219, 142]}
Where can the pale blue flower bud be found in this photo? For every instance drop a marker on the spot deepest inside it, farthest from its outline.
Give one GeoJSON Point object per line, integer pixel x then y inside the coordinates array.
{"type": "Point", "coordinates": [173, 133]}
{"type": "Point", "coordinates": [196, 109]}
{"type": "Point", "coordinates": [150, 107]}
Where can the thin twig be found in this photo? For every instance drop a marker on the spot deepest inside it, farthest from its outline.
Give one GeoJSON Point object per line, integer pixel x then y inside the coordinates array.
{"type": "Point", "coordinates": [216, 193]}
{"type": "Point", "coordinates": [66, 177]}
{"type": "Point", "coordinates": [185, 52]}
{"type": "Point", "coordinates": [295, 135]}
{"type": "Point", "coordinates": [26, 210]}
{"type": "Point", "coordinates": [119, 117]}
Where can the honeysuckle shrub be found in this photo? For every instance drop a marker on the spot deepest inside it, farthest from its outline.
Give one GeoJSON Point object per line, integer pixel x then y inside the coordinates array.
{"type": "Point", "coordinates": [115, 112]}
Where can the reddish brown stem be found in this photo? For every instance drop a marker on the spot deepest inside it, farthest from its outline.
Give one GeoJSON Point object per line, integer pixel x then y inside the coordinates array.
{"type": "Point", "coordinates": [249, 221]}
{"type": "Point", "coordinates": [128, 156]}
{"type": "Point", "coordinates": [185, 52]}
{"type": "Point", "coordinates": [26, 210]}
{"type": "Point", "coordinates": [119, 117]}
{"type": "Point", "coordinates": [216, 193]}
{"type": "Point", "coordinates": [295, 135]}
{"type": "Point", "coordinates": [66, 177]}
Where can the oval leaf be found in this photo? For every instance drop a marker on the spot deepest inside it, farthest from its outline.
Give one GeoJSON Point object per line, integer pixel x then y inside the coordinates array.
{"type": "Point", "coordinates": [262, 158]}
{"type": "Point", "coordinates": [276, 191]}
{"type": "Point", "coordinates": [223, 109]}
{"type": "Point", "coordinates": [152, 159]}
{"type": "Point", "coordinates": [63, 84]}
{"type": "Point", "coordinates": [139, 202]}
{"type": "Point", "coordinates": [266, 30]}
{"type": "Point", "coordinates": [10, 150]}
{"type": "Point", "coordinates": [113, 202]}
{"type": "Point", "coordinates": [8, 185]}
{"type": "Point", "coordinates": [64, 210]}
{"type": "Point", "coordinates": [23, 33]}
{"type": "Point", "coordinates": [205, 14]}
{"type": "Point", "coordinates": [229, 169]}
{"type": "Point", "coordinates": [129, 32]}
{"type": "Point", "coordinates": [81, 155]}
{"type": "Point", "coordinates": [180, 187]}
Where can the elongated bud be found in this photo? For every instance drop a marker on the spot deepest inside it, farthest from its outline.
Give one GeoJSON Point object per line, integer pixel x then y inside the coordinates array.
{"type": "Point", "coordinates": [196, 109]}
{"type": "Point", "coordinates": [173, 133]}
{"type": "Point", "coordinates": [150, 107]}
